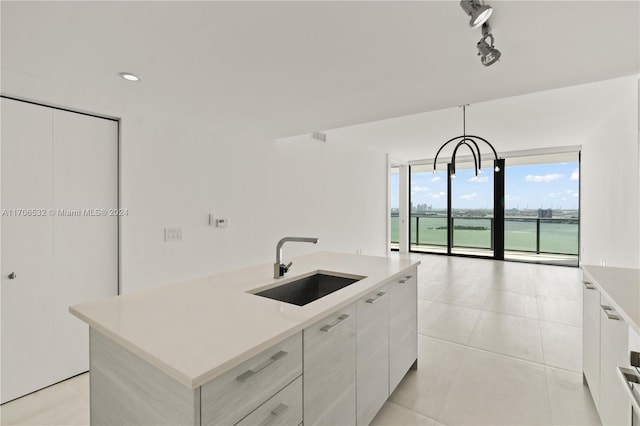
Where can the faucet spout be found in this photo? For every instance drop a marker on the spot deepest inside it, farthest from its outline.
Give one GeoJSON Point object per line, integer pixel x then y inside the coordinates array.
{"type": "Point", "coordinates": [279, 269]}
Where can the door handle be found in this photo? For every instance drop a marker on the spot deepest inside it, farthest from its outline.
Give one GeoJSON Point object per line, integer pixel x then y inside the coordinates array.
{"type": "Point", "coordinates": [12, 276]}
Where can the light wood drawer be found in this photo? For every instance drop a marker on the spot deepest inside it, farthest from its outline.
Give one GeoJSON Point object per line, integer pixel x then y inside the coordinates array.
{"type": "Point", "coordinates": [231, 396]}
{"type": "Point", "coordinates": [284, 408]}
{"type": "Point", "coordinates": [330, 370]}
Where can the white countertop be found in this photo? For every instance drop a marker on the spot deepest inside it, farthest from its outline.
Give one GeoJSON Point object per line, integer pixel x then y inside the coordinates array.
{"type": "Point", "coordinates": [198, 329]}
{"type": "Point", "coordinates": [622, 287]}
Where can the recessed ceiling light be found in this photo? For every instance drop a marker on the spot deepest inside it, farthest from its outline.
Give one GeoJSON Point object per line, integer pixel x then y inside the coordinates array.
{"type": "Point", "coordinates": [130, 77]}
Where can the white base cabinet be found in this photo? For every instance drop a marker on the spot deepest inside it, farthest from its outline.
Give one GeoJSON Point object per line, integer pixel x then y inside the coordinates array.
{"type": "Point", "coordinates": [403, 326]}
{"type": "Point", "coordinates": [329, 350]}
{"type": "Point", "coordinates": [372, 378]}
{"type": "Point", "coordinates": [606, 347]}
{"type": "Point", "coordinates": [591, 340]}
{"type": "Point", "coordinates": [614, 407]}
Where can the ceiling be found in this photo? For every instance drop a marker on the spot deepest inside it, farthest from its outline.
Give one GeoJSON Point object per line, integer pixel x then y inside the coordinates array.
{"type": "Point", "coordinates": [287, 68]}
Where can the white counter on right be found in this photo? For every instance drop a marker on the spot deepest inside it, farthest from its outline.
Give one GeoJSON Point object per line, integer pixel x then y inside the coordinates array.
{"type": "Point", "coordinates": [610, 330]}
{"type": "Point", "coordinates": [622, 287]}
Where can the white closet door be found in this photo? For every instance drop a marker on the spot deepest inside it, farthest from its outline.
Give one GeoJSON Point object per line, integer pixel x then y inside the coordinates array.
{"type": "Point", "coordinates": [85, 248]}
{"type": "Point", "coordinates": [53, 160]}
{"type": "Point", "coordinates": [27, 329]}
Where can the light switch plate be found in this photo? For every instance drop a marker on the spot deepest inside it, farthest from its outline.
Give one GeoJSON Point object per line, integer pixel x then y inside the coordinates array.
{"type": "Point", "coordinates": [172, 234]}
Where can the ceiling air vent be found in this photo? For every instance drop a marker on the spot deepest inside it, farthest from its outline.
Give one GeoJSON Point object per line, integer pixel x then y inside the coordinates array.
{"type": "Point", "coordinates": [319, 136]}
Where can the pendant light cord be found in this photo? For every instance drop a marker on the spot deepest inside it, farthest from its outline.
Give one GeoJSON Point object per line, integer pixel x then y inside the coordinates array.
{"type": "Point", "coordinates": [464, 121]}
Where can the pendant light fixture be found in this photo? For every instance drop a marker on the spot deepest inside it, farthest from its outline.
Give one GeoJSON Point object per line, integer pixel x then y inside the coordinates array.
{"type": "Point", "coordinates": [470, 141]}
{"type": "Point", "coordinates": [474, 142]}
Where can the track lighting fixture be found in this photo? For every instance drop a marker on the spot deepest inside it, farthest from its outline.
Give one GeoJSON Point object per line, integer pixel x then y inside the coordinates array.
{"type": "Point", "coordinates": [478, 12]}
{"type": "Point", "coordinates": [488, 54]}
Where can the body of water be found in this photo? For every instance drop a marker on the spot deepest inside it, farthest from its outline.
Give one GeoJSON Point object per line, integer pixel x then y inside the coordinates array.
{"type": "Point", "coordinates": [556, 236]}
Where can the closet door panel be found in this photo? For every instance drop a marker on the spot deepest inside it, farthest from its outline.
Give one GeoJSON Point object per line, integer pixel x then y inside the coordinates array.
{"type": "Point", "coordinates": [27, 328]}
{"type": "Point", "coordinates": [85, 164]}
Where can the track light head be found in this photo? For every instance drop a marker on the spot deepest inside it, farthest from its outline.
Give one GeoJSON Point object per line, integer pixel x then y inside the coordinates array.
{"type": "Point", "coordinates": [488, 54]}
{"type": "Point", "coordinates": [478, 12]}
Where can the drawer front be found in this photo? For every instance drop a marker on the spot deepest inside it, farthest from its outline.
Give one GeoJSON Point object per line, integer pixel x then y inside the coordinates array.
{"type": "Point", "coordinates": [231, 396]}
{"type": "Point", "coordinates": [330, 370]}
{"type": "Point", "coordinates": [372, 379]}
{"type": "Point", "coordinates": [284, 408]}
{"type": "Point", "coordinates": [403, 326]}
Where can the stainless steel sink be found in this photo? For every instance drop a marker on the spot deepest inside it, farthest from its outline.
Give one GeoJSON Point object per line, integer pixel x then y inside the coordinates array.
{"type": "Point", "coordinates": [307, 289]}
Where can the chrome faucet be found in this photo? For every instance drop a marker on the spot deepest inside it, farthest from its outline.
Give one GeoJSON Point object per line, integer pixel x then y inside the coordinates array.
{"type": "Point", "coordinates": [279, 268]}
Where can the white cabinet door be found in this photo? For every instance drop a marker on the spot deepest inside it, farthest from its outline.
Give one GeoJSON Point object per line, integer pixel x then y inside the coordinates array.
{"type": "Point", "coordinates": [614, 408]}
{"type": "Point", "coordinates": [27, 330]}
{"type": "Point", "coordinates": [372, 375]}
{"type": "Point", "coordinates": [403, 326]}
{"type": "Point", "coordinates": [51, 160]}
{"type": "Point", "coordinates": [329, 365]}
{"type": "Point", "coordinates": [85, 247]}
{"type": "Point", "coordinates": [591, 340]}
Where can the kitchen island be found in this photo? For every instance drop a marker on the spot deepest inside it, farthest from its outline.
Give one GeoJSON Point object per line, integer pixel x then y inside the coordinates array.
{"type": "Point", "coordinates": [210, 351]}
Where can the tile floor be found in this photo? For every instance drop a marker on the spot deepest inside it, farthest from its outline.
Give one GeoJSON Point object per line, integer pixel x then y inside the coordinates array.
{"type": "Point", "coordinates": [500, 343]}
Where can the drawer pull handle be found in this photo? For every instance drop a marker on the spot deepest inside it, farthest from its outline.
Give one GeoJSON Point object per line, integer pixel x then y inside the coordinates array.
{"type": "Point", "coordinates": [375, 299]}
{"type": "Point", "coordinates": [274, 414]}
{"type": "Point", "coordinates": [610, 313]}
{"type": "Point", "coordinates": [589, 286]}
{"type": "Point", "coordinates": [408, 277]}
{"type": "Point", "coordinates": [402, 281]}
{"type": "Point", "coordinates": [250, 373]}
{"type": "Point", "coordinates": [630, 381]}
{"type": "Point", "coordinates": [328, 327]}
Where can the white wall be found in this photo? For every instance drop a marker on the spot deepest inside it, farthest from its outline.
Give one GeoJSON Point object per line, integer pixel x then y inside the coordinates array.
{"type": "Point", "coordinates": [610, 227]}
{"type": "Point", "coordinates": [175, 171]}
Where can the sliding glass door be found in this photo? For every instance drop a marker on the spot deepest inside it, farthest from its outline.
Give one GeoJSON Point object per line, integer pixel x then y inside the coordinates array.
{"type": "Point", "coordinates": [472, 211]}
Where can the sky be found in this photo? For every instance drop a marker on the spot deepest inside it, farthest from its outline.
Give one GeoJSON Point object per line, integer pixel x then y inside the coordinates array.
{"type": "Point", "coordinates": [546, 186]}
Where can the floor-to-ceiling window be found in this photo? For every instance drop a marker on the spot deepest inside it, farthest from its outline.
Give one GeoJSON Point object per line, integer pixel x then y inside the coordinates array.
{"type": "Point", "coordinates": [542, 217]}
{"type": "Point", "coordinates": [541, 210]}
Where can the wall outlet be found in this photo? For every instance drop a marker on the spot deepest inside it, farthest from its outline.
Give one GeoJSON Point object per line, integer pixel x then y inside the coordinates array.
{"type": "Point", "coordinates": [172, 234]}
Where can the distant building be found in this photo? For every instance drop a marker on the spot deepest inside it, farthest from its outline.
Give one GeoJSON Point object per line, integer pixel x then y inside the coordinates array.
{"type": "Point", "coordinates": [545, 213]}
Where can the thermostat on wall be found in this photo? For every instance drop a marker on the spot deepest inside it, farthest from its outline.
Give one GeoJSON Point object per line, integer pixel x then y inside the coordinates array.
{"type": "Point", "coordinates": [222, 223]}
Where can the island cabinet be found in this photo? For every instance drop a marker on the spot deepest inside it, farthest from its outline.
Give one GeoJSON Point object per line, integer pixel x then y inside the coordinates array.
{"type": "Point", "coordinates": [330, 370]}
{"type": "Point", "coordinates": [372, 375]}
{"type": "Point", "coordinates": [403, 326]}
{"type": "Point", "coordinates": [334, 362]}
